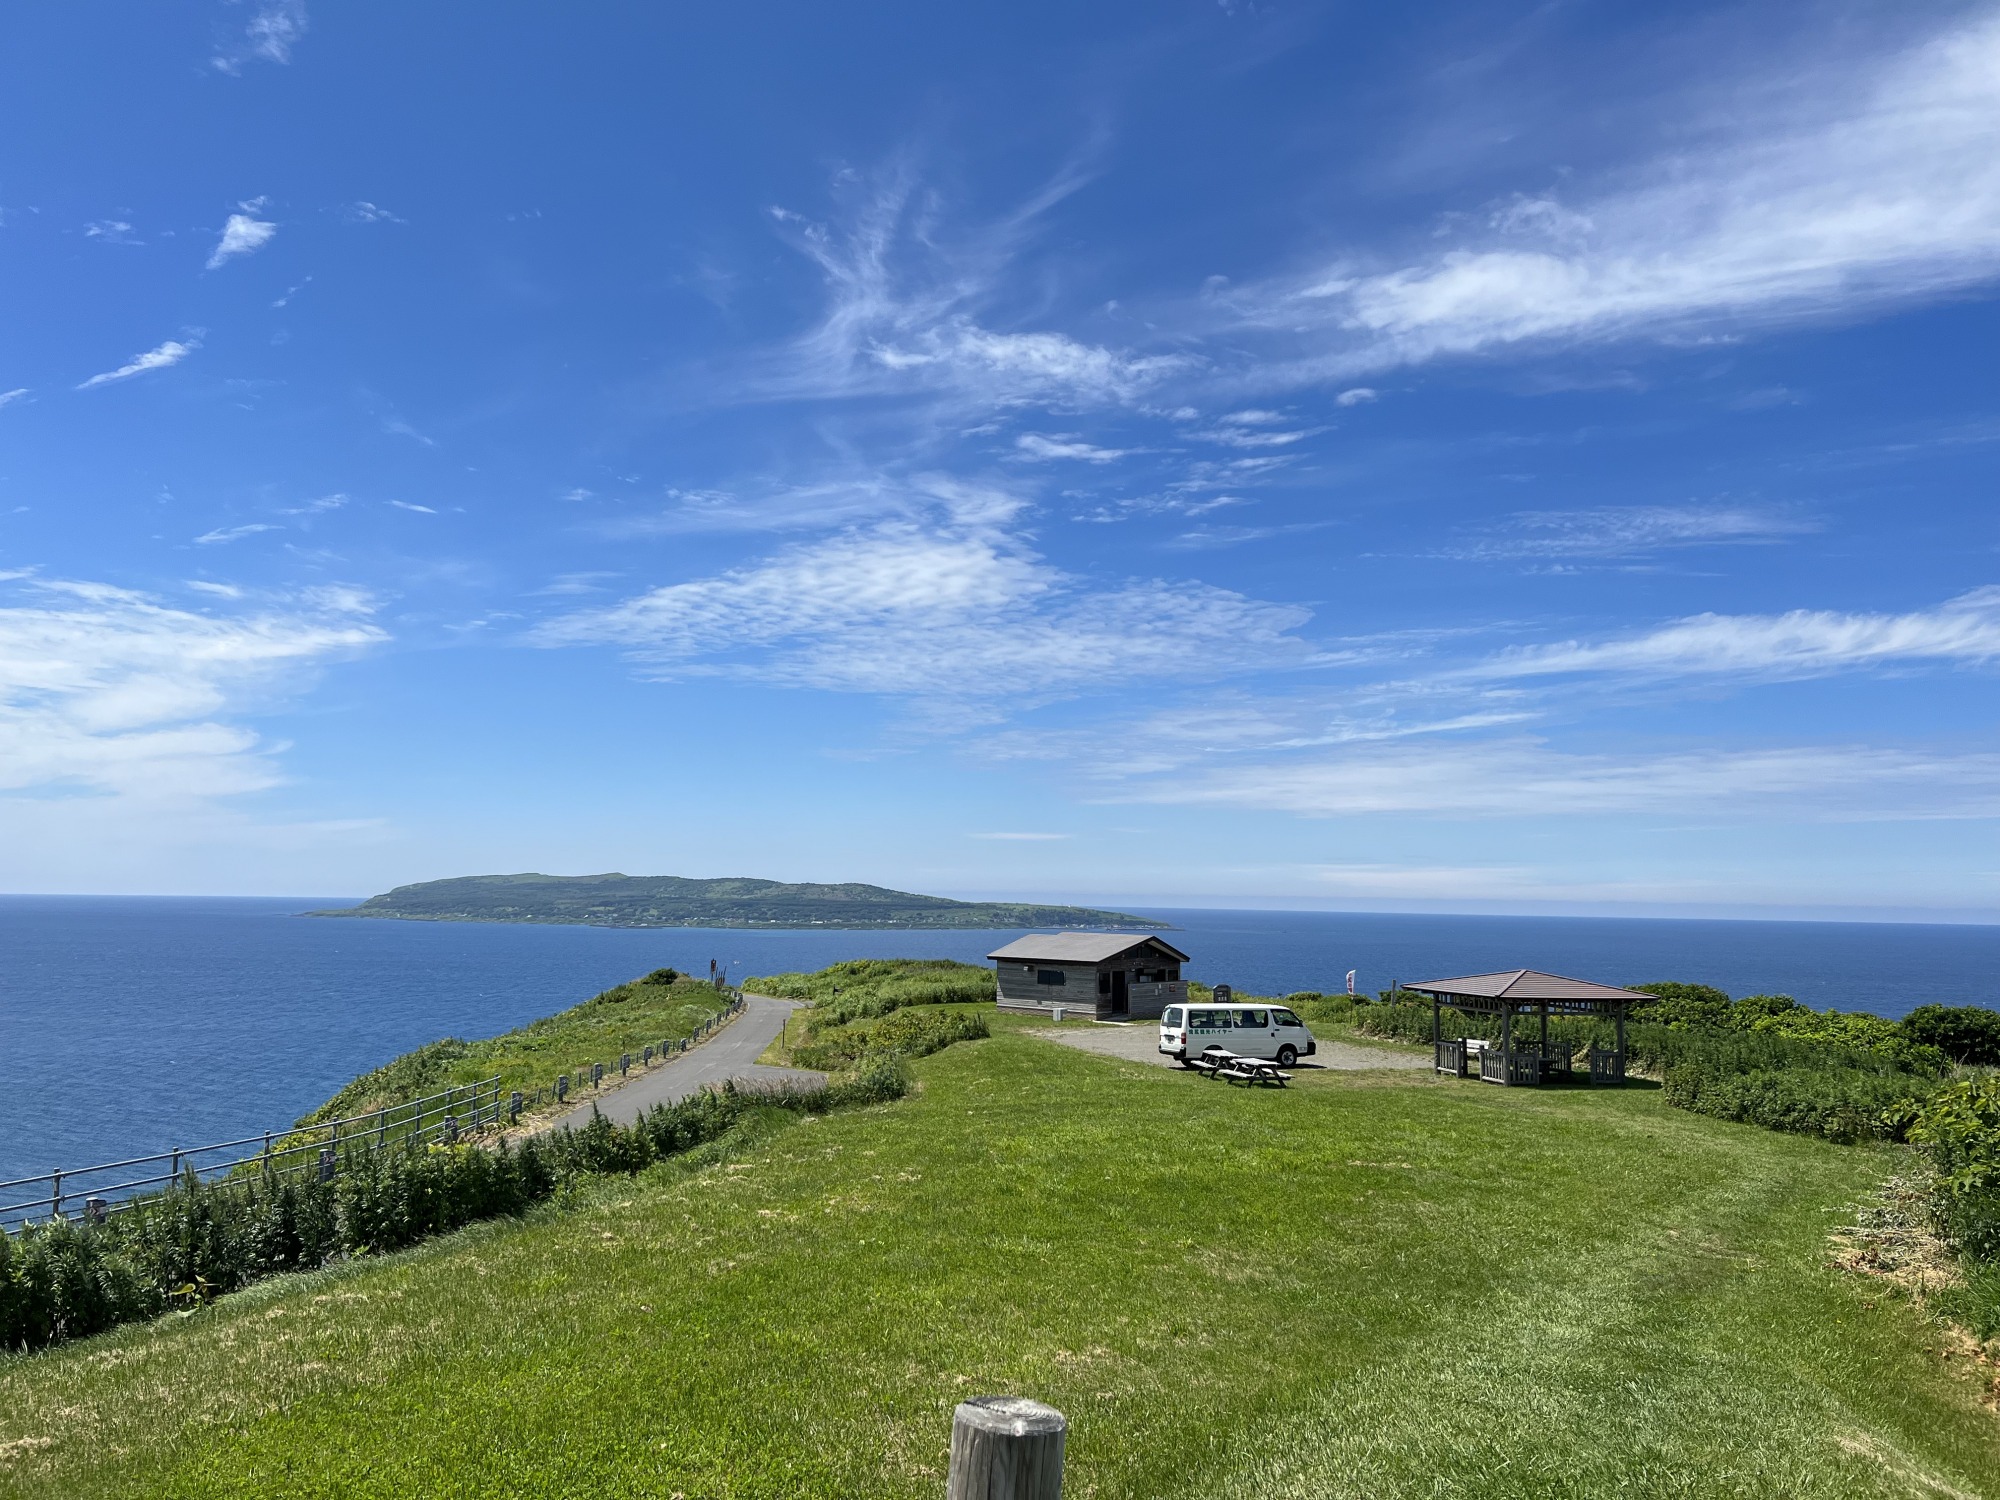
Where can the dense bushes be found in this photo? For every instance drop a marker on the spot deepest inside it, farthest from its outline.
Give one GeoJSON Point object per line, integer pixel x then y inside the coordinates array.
{"type": "Point", "coordinates": [910, 1032]}
{"type": "Point", "coordinates": [1812, 1085]}
{"type": "Point", "coordinates": [199, 1239]}
{"type": "Point", "coordinates": [1965, 1033]}
{"type": "Point", "coordinates": [1958, 1128]}
{"type": "Point", "coordinates": [1840, 1104]}
{"type": "Point", "coordinates": [863, 988]}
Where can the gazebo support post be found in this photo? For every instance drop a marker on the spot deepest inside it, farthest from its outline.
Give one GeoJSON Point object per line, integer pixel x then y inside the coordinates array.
{"type": "Point", "coordinates": [1542, 1065]}
{"type": "Point", "coordinates": [1507, 1043]}
{"type": "Point", "coordinates": [1621, 1044]}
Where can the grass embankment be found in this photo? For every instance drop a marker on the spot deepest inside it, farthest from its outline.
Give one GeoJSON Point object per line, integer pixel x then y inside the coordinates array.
{"type": "Point", "coordinates": [625, 1018]}
{"type": "Point", "coordinates": [1365, 1285]}
{"type": "Point", "coordinates": [909, 1006]}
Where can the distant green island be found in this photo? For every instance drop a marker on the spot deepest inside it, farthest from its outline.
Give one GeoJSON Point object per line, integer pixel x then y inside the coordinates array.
{"type": "Point", "coordinates": [673, 901]}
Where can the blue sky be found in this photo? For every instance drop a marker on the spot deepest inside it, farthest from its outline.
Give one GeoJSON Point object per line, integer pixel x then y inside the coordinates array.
{"type": "Point", "coordinates": [1522, 458]}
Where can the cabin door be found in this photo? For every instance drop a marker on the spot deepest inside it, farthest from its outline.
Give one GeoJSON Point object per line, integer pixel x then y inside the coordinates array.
{"type": "Point", "coordinates": [1121, 994]}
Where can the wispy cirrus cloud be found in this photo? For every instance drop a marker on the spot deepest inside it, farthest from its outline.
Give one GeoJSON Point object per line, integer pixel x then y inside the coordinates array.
{"type": "Point", "coordinates": [223, 534]}
{"type": "Point", "coordinates": [1885, 189]}
{"type": "Point", "coordinates": [243, 234]}
{"type": "Point", "coordinates": [1066, 445]}
{"type": "Point", "coordinates": [947, 607]}
{"type": "Point", "coordinates": [8, 398]}
{"type": "Point", "coordinates": [117, 693]}
{"type": "Point", "coordinates": [273, 30]}
{"type": "Point", "coordinates": [1525, 778]}
{"type": "Point", "coordinates": [164, 357]}
{"type": "Point", "coordinates": [910, 311]}
{"type": "Point", "coordinates": [1797, 643]}
{"type": "Point", "coordinates": [1622, 531]}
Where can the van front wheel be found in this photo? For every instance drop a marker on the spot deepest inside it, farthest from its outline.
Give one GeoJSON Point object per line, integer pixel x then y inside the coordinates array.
{"type": "Point", "coordinates": [1287, 1056]}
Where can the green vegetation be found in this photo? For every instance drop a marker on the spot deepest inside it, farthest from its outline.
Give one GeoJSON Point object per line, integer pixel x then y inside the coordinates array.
{"type": "Point", "coordinates": [199, 1239]}
{"type": "Point", "coordinates": [905, 1033]}
{"type": "Point", "coordinates": [673, 901]}
{"type": "Point", "coordinates": [1367, 1285]}
{"type": "Point", "coordinates": [662, 1006]}
{"type": "Point", "coordinates": [864, 987]}
{"type": "Point", "coordinates": [868, 1005]}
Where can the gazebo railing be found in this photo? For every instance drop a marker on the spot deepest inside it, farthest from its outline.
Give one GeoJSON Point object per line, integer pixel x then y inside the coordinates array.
{"type": "Point", "coordinates": [1450, 1056]}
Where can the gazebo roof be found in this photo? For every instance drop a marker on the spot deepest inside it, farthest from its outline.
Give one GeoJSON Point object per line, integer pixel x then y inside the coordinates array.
{"type": "Point", "coordinates": [1529, 985]}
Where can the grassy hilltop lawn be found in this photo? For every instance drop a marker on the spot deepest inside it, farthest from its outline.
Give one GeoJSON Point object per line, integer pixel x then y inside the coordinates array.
{"type": "Point", "coordinates": [673, 901]}
{"type": "Point", "coordinates": [1369, 1285]}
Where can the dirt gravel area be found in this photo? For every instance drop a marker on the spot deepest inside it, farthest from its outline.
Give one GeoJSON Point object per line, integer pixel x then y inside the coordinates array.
{"type": "Point", "coordinates": [1141, 1043]}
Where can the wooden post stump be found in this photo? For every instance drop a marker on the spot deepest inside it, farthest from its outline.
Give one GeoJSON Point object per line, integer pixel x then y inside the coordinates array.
{"type": "Point", "coordinates": [1006, 1448]}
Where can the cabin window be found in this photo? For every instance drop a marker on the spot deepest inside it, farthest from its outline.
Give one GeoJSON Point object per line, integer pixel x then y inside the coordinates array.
{"type": "Point", "coordinates": [1174, 974]}
{"type": "Point", "coordinates": [1104, 982]}
{"type": "Point", "coordinates": [1051, 976]}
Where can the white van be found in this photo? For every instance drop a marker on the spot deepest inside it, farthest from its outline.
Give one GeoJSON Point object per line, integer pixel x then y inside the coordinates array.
{"type": "Point", "coordinates": [1268, 1031]}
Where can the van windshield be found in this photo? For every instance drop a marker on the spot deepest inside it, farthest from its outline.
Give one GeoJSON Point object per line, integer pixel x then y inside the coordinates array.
{"type": "Point", "coordinates": [1172, 1017]}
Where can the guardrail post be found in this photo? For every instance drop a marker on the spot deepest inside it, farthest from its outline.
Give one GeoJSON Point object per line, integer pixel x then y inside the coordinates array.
{"type": "Point", "coordinates": [646, 1058]}
{"type": "Point", "coordinates": [596, 1074]}
{"type": "Point", "coordinates": [326, 1164]}
{"type": "Point", "coordinates": [451, 1130]}
{"type": "Point", "coordinates": [562, 1087]}
{"type": "Point", "coordinates": [514, 1107]}
{"type": "Point", "coordinates": [55, 1196]}
{"type": "Point", "coordinates": [1006, 1448]}
{"type": "Point", "coordinates": [94, 1209]}
{"type": "Point", "coordinates": [624, 1063]}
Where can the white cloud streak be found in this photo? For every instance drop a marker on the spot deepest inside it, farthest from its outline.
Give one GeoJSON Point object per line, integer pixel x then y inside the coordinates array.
{"type": "Point", "coordinates": [243, 234]}
{"type": "Point", "coordinates": [114, 693]}
{"type": "Point", "coordinates": [167, 355]}
{"type": "Point", "coordinates": [945, 609]}
{"type": "Point", "coordinates": [904, 314]}
{"type": "Point", "coordinates": [273, 30]}
{"type": "Point", "coordinates": [1525, 779]}
{"type": "Point", "coordinates": [1891, 193]}
{"type": "Point", "coordinates": [1800, 642]}
{"type": "Point", "coordinates": [1632, 530]}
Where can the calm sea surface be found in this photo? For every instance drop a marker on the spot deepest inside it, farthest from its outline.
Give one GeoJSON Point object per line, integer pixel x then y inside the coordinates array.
{"type": "Point", "coordinates": [133, 1025]}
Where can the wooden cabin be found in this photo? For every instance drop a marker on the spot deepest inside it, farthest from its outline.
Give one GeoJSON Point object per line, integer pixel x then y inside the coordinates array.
{"type": "Point", "coordinates": [1105, 975]}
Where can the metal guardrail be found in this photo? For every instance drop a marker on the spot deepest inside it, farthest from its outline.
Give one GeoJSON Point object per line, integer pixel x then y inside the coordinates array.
{"type": "Point", "coordinates": [314, 1149]}
{"type": "Point", "coordinates": [463, 1109]}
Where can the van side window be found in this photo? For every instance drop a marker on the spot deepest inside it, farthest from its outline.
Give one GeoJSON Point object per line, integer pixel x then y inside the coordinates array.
{"type": "Point", "coordinates": [1254, 1019]}
{"type": "Point", "coordinates": [1286, 1018]}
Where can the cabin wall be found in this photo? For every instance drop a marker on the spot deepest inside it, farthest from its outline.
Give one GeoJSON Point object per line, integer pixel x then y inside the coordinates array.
{"type": "Point", "coordinates": [1016, 988]}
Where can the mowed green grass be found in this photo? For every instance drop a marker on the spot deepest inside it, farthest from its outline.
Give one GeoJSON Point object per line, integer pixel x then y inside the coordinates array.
{"type": "Point", "coordinates": [1367, 1285]}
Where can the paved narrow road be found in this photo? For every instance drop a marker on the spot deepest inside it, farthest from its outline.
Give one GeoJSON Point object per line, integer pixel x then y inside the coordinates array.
{"type": "Point", "coordinates": [731, 1053]}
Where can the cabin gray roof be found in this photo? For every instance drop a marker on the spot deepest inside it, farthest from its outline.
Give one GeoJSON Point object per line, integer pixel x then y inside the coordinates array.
{"type": "Point", "coordinates": [1079, 947]}
{"type": "Point", "coordinates": [1524, 984]}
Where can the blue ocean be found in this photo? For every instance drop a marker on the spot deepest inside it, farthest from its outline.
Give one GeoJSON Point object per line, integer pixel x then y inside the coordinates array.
{"type": "Point", "coordinates": [130, 1025]}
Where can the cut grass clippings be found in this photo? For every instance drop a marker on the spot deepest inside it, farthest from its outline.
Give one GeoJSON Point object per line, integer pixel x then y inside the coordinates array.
{"type": "Point", "coordinates": [1367, 1285]}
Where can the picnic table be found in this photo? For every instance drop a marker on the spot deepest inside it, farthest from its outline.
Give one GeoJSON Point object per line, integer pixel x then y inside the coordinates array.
{"type": "Point", "coordinates": [1220, 1062]}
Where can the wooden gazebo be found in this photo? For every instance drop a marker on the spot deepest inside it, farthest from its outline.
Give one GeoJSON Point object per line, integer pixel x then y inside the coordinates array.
{"type": "Point", "coordinates": [1526, 992]}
